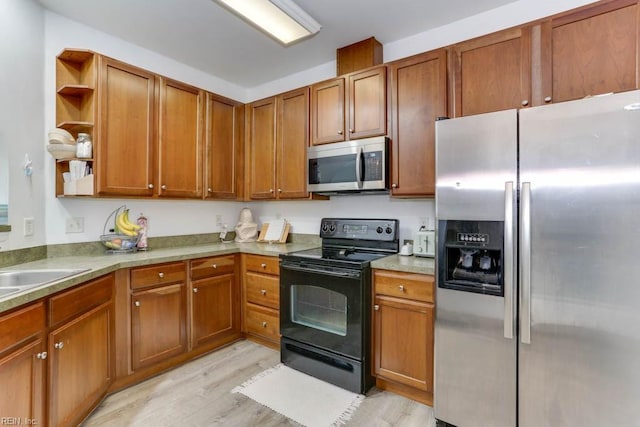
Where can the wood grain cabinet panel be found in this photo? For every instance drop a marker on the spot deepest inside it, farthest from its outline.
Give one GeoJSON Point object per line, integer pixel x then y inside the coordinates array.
{"type": "Point", "coordinates": [125, 150]}
{"type": "Point", "coordinates": [23, 364]}
{"type": "Point", "coordinates": [80, 366]}
{"type": "Point", "coordinates": [214, 311]}
{"type": "Point", "coordinates": [158, 324]}
{"type": "Point", "coordinates": [224, 148]}
{"type": "Point", "coordinates": [418, 97]}
{"type": "Point", "coordinates": [181, 140]}
{"type": "Point", "coordinates": [492, 73]}
{"type": "Point", "coordinates": [261, 299]}
{"type": "Point", "coordinates": [261, 144]}
{"type": "Point", "coordinates": [590, 51]}
{"type": "Point", "coordinates": [328, 112]}
{"type": "Point", "coordinates": [403, 328]}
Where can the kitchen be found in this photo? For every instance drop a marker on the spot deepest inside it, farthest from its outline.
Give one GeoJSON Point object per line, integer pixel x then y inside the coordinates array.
{"type": "Point", "coordinates": [31, 195]}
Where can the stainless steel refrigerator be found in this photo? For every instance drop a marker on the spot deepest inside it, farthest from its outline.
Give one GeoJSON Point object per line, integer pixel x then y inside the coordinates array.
{"type": "Point", "coordinates": [538, 266]}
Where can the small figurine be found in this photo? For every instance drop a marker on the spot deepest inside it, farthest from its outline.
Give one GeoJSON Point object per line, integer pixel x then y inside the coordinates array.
{"type": "Point", "coordinates": [142, 240]}
{"type": "Point", "coordinates": [246, 229]}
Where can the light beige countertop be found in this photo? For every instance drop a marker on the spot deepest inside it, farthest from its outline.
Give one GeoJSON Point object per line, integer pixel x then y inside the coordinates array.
{"type": "Point", "coordinates": [408, 264]}
{"type": "Point", "coordinates": [98, 265]}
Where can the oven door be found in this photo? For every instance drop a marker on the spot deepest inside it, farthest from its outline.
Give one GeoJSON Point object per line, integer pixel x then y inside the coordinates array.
{"type": "Point", "coordinates": [323, 306]}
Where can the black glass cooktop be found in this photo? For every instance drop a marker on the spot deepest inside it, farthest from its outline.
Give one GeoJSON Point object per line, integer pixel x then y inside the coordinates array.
{"type": "Point", "coordinates": [340, 254]}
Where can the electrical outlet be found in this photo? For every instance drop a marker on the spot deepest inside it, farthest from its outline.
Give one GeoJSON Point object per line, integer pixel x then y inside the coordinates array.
{"type": "Point", "coordinates": [28, 227]}
{"type": "Point", "coordinates": [74, 225]}
{"type": "Point", "coordinates": [218, 219]}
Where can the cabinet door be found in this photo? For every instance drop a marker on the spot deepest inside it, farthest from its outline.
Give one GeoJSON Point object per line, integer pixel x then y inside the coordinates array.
{"type": "Point", "coordinates": [157, 324]}
{"type": "Point", "coordinates": [180, 143]}
{"type": "Point", "coordinates": [590, 52]}
{"type": "Point", "coordinates": [368, 103]}
{"type": "Point", "coordinates": [262, 149]}
{"type": "Point", "coordinates": [223, 147]}
{"type": "Point", "coordinates": [406, 357]}
{"type": "Point", "coordinates": [292, 141]}
{"type": "Point", "coordinates": [79, 367]}
{"type": "Point", "coordinates": [492, 73]}
{"type": "Point", "coordinates": [23, 379]}
{"type": "Point", "coordinates": [214, 309]}
{"type": "Point", "coordinates": [327, 112]}
{"type": "Point", "coordinates": [124, 152]}
{"type": "Point", "coordinates": [418, 97]}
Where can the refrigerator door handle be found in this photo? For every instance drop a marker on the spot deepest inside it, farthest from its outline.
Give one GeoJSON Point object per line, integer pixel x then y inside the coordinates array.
{"type": "Point", "coordinates": [525, 263]}
{"type": "Point", "coordinates": [509, 261]}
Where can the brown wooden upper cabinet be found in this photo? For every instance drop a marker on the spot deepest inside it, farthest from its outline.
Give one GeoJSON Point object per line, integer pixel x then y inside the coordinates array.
{"type": "Point", "coordinates": [277, 140]}
{"type": "Point", "coordinates": [357, 111]}
{"type": "Point", "coordinates": [125, 148]}
{"type": "Point", "coordinates": [591, 51]}
{"type": "Point", "coordinates": [491, 73]}
{"type": "Point", "coordinates": [180, 140]}
{"type": "Point", "coordinates": [418, 97]}
{"type": "Point", "coordinates": [224, 148]}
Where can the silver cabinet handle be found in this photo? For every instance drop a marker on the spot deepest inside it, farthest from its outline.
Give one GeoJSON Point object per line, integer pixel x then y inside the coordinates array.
{"type": "Point", "coordinates": [350, 130]}
{"type": "Point", "coordinates": [394, 185]}
{"type": "Point", "coordinates": [209, 190]}
{"type": "Point", "coordinates": [164, 187]}
{"type": "Point", "coordinates": [279, 190]}
{"type": "Point", "coordinates": [264, 324]}
{"type": "Point", "coordinates": [263, 291]}
{"type": "Point", "coordinates": [42, 355]}
{"type": "Point", "coordinates": [525, 102]}
{"type": "Point", "coordinates": [376, 307]}
{"type": "Point", "coordinates": [214, 265]}
{"type": "Point", "coordinates": [525, 263]}
{"type": "Point", "coordinates": [150, 185]}
{"type": "Point", "coordinates": [509, 261]}
{"type": "Point", "coordinates": [339, 132]}
{"type": "Point", "coordinates": [195, 290]}
{"type": "Point", "coordinates": [263, 265]}
{"type": "Point", "coordinates": [161, 275]}
{"type": "Point", "coordinates": [58, 345]}
{"type": "Point", "coordinates": [547, 99]}
{"type": "Point", "coordinates": [401, 287]}
{"type": "Point", "coordinates": [137, 303]}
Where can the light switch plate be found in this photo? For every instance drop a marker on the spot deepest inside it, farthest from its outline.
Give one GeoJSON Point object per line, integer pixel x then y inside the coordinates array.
{"type": "Point", "coordinates": [28, 227]}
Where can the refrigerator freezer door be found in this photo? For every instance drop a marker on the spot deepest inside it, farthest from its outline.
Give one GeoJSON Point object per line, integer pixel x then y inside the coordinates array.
{"type": "Point", "coordinates": [582, 365]}
{"type": "Point", "coordinates": [475, 365]}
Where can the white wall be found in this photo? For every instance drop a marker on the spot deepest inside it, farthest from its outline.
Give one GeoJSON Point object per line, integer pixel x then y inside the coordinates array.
{"type": "Point", "coordinates": [22, 25]}
{"type": "Point", "coordinates": [22, 117]}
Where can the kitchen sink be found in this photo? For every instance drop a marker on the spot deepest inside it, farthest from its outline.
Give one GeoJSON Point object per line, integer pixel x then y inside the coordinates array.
{"type": "Point", "coordinates": [20, 280]}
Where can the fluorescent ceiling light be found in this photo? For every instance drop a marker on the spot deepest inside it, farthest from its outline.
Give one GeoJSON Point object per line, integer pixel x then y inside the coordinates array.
{"type": "Point", "coordinates": [282, 19]}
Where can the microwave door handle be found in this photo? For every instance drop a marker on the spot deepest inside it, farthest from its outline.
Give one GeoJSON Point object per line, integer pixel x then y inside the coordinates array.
{"type": "Point", "coordinates": [360, 167]}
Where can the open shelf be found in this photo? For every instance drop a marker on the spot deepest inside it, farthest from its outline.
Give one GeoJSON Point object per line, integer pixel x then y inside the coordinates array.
{"type": "Point", "coordinates": [75, 90]}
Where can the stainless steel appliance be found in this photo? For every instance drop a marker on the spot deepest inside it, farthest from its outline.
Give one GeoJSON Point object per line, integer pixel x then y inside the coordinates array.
{"type": "Point", "coordinates": [349, 167]}
{"type": "Point", "coordinates": [546, 334]}
{"type": "Point", "coordinates": [325, 301]}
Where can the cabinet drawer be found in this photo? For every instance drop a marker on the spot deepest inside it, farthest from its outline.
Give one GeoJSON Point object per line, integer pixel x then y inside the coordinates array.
{"type": "Point", "coordinates": [417, 287]}
{"type": "Point", "coordinates": [21, 325]}
{"type": "Point", "coordinates": [263, 290]}
{"type": "Point", "coordinates": [214, 266]}
{"type": "Point", "coordinates": [158, 275]}
{"type": "Point", "coordinates": [263, 264]}
{"type": "Point", "coordinates": [262, 321]}
{"type": "Point", "coordinates": [71, 304]}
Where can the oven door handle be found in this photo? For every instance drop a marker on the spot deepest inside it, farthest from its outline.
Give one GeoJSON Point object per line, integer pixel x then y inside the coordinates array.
{"type": "Point", "coordinates": [353, 274]}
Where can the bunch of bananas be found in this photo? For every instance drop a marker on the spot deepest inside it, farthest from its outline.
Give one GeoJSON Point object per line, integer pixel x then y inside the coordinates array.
{"type": "Point", "coordinates": [124, 225]}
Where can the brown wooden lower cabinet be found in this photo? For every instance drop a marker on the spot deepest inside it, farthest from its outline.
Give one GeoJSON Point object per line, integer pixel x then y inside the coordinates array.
{"type": "Point", "coordinates": [23, 364]}
{"type": "Point", "coordinates": [261, 296]}
{"type": "Point", "coordinates": [158, 324]}
{"type": "Point", "coordinates": [403, 315]}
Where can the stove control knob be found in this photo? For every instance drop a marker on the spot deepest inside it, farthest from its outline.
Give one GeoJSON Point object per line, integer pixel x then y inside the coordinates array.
{"type": "Point", "coordinates": [389, 230]}
{"type": "Point", "coordinates": [325, 228]}
{"type": "Point", "coordinates": [379, 230]}
{"type": "Point", "coordinates": [332, 228]}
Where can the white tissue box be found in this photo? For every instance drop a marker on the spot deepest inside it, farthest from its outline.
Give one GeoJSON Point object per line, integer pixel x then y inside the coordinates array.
{"type": "Point", "coordinates": [79, 187]}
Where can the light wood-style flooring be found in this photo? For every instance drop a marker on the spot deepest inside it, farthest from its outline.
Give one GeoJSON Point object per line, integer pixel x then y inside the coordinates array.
{"type": "Point", "coordinates": [199, 394]}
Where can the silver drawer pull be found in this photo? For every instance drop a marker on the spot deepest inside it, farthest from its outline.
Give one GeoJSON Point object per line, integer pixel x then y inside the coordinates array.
{"type": "Point", "coordinates": [263, 265]}
{"type": "Point", "coordinates": [214, 266]}
{"type": "Point", "coordinates": [264, 324]}
{"type": "Point", "coordinates": [137, 303]}
{"type": "Point", "coordinates": [195, 290]}
{"type": "Point", "coordinates": [58, 345]}
{"type": "Point", "coordinates": [401, 287]}
{"type": "Point", "coordinates": [42, 355]}
{"type": "Point", "coordinates": [376, 307]}
{"type": "Point", "coordinates": [161, 275]}
{"type": "Point", "coordinates": [263, 291]}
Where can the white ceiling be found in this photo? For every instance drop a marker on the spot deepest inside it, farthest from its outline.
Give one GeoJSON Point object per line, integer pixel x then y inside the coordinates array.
{"type": "Point", "coordinates": [204, 35]}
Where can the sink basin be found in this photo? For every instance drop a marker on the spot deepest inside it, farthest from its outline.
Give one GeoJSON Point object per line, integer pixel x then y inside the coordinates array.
{"type": "Point", "coordinates": [20, 280]}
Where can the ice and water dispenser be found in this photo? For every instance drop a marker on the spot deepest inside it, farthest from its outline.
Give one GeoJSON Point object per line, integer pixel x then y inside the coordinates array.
{"type": "Point", "coordinates": [471, 256]}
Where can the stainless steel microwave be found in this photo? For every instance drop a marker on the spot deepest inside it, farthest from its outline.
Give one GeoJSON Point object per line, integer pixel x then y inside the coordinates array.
{"type": "Point", "coordinates": [355, 166]}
